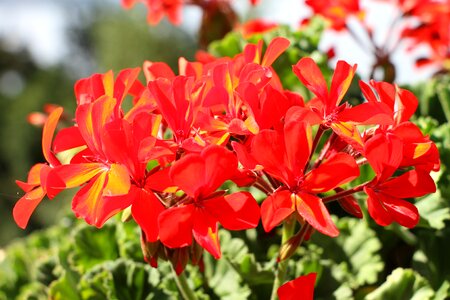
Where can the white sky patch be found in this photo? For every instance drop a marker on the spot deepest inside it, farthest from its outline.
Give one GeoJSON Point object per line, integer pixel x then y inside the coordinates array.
{"type": "Point", "coordinates": [36, 25]}
{"type": "Point", "coordinates": [41, 27]}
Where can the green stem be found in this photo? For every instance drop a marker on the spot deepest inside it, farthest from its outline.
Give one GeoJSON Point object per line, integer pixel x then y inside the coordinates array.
{"type": "Point", "coordinates": [280, 273]}
{"type": "Point", "coordinates": [183, 286]}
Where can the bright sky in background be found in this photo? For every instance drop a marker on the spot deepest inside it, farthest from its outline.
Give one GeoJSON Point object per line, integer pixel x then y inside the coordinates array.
{"type": "Point", "coordinates": [41, 26]}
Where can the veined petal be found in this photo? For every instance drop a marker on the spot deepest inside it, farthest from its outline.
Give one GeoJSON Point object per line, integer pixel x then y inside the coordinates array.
{"type": "Point", "coordinates": [205, 232]}
{"type": "Point", "coordinates": [237, 211]}
{"type": "Point", "coordinates": [24, 208]}
{"type": "Point", "coordinates": [34, 178]}
{"type": "Point", "coordinates": [310, 75]}
{"type": "Point", "coordinates": [312, 209]}
{"type": "Point", "coordinates": [146, 209]}
{"type": "Point", "coordinates": [276, 208]}
{"type": "Point", "coordinates": [340, 168]}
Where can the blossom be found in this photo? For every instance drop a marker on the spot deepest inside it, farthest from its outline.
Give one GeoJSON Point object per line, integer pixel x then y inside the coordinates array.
{"type": "Point", "coordinates": [199, 175]}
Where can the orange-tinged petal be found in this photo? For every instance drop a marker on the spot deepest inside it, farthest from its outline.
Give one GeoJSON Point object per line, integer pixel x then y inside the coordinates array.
{"type": "Point", "coordinates": [118, 181]}
{"type": "Point", "coordinates": [349, 133]}
{"type": "Point", "coordinates": [276, 208]}
{"type": "Point", "coordinates": [342, 78]}
{"type": "Point", "coordinates": [205, 232]}
{"type": "Point", "coordinates": [276, 47]}
{"type": "Point", "coordinates": [310, 75]}
{"type": "Point", "coordinates": [47, 136]}
{"type": "Point", "coordinates": [312, 209]}
{"type": "Point", "coordinates": [76, 175]}
{"type": "Point", "coordinates": [90, 204]}
{"type": "Point", "coordinates": [26, 205]}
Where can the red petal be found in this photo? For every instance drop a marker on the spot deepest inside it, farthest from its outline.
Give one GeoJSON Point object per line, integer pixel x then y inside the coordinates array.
{"type": "Point", "coordinates": [340, 168]}
{"type": "Point", "coordinates": [411, 184]}
{"type": "Point", "coordinates": [47, 136]}
{"type": "Point", "coordinates": [310, 75]}
{"type": "Point", "coordinates": [350, 205]}
{"type": "Point", "coordinates": [90, 204]}
{"type": "Point", "coordinates": [237, 211]}
{"type": "Point", "coordinates": [276, 47]}
{"type": "Point", "coordinates": [299, 288]}
{"type": "Point", "coordinates": [188, 174]}
{"type": "Point", "coordinates": [368, 113]}
{"type": "Point", "coordinates": [205, 232]}
{"type": "Point", "coordinates": [146, 209]}
{"type": "Point", "coordinates": [312, 209]}
{"type": "Point", "coordinates": [276, 208]}
{"type": "Point", "coordinates": [302, 114]}
{"type": "Point", "coordinates": [385, 209]}
{"type": "Point", "coordinates": [384, 153]}
{"type": "Point", "coordinates": [76, 175]}
{"type": "Point", "coordinates": [342, 78]}
{"type": "Point", "coordinates": [220, 165]}
{"type": "Point", "coordinates": [298, 143]}
{"type": "Point", "coordinates": [26, 205]}
{"type": "Point", "coordinates": [118, 181]}
{"type": "Point", "coordinates": [269, 151]}
{"type": "Point", "coordinates": [68, 138]}
{"type": "Point", "coordinates": [175, 226]}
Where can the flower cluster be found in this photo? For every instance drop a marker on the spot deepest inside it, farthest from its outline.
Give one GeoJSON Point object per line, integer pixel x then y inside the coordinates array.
{"type": "Point", "coordinates": [166, 158]}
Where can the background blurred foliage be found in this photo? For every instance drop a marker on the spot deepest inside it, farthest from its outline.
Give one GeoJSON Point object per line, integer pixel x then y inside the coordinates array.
{"type": "Point", "coordinates": [71, 260]}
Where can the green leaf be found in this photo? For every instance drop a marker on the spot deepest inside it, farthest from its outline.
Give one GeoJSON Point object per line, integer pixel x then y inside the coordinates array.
{"type": "Point", "coordinates": [121, 280]}
{"type": "Point", "coordinates": [430, 260]}
{"type": "Point", "coordinates": [93, 246]}
{"type": "Point", "coordinates": [433, 210]}
{"type": "Point", "coordinates": [354, 252]}
{"type": "Point", "coordinates": [403, 284]}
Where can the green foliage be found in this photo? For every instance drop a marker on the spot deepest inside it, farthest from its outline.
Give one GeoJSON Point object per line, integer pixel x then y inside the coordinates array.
{"type": "Point", "coordinates": [403, 284]}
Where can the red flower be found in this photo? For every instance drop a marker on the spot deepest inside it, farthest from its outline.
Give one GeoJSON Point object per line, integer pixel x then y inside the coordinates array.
{"type": "Point", "coordinates": [199, 175]}
{"type": "Point", "coordinates": [299, 288]}
{"type": "Point", "coordinates": [386, 195]}
{"type": "Point", "coordinates": [36, 186]}
{"type": "Point", "coordinates": [284, 156]}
